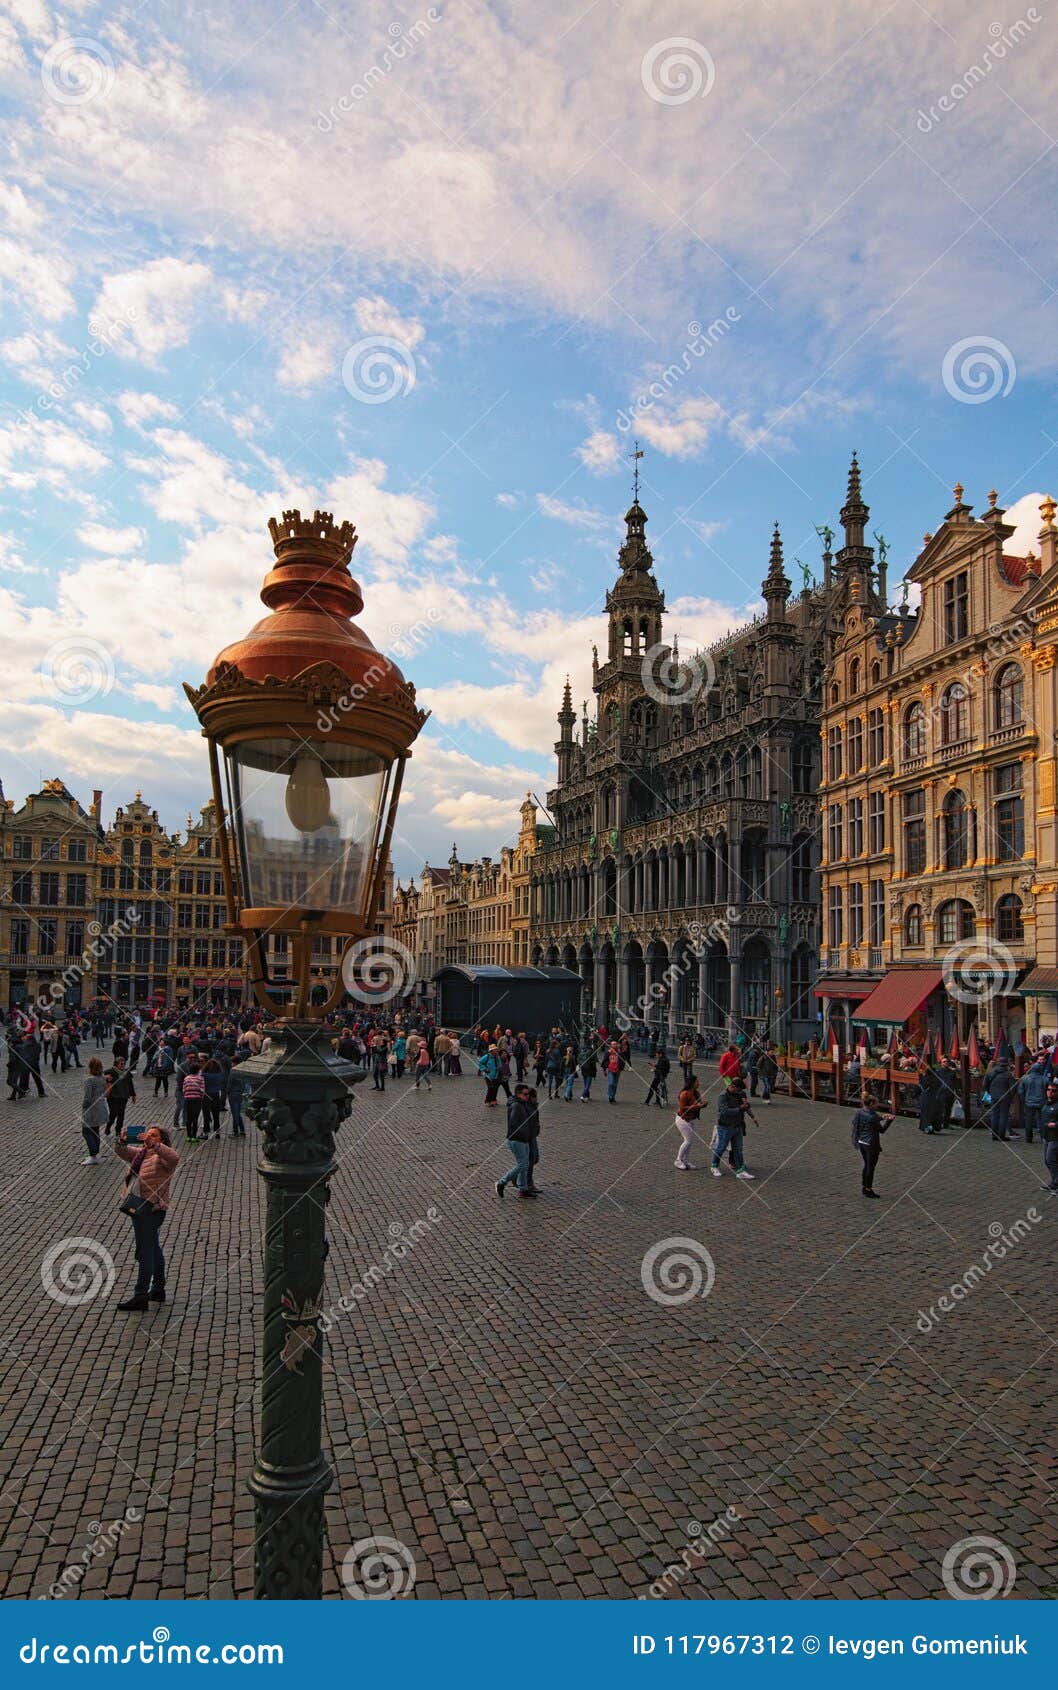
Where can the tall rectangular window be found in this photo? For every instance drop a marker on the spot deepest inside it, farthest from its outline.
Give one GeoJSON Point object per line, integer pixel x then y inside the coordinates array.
{"type": "Point", "coordinates": [856, 914]}
{"type": "Point", "coordinates": [876, 913]}
{"type": "Point", "coordinates": [855, 818]}
{"type": "Point", "coordinates": [854, 744]}
{"type": "Point", "coordinates": [876, 822]}
{"type": "Point", "coordinates": [834, 763]}
{"type": "Point", "coordinates": [834, 833]}
{"type": "Point", "coordinates": [49, 890]}
{"type": "Point", "coordinates": [875, 738]}
{"type": "Point", "coordinates": [956, 601]}
{"type": "Point", "coordinates": [914, 817]}
{"type": "Point", "coordinates": [47, 931]}
{"type": "Point", "coordinates": [835, 917]}
{"type": "Point", "coordinates": [1009, 813]}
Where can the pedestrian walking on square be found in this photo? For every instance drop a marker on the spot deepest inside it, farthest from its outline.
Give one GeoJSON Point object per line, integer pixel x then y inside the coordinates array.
{"type": "Point", "coordinates": [236, 1094]}
{"type": "Point", "coordinates": [455, 1066]}
{"type": "Point", "coordinates": [730, 1065]}
{"type": "Point", "coordinates": [379, 1060]}
{"type": "Point", "coordinates": [867, 1129]}
{"type": "Point", "coordinates": [658, 1089]}
{"type": "Point", "coordinates": [94, 1111]}
{"type": "Point", "coordinates": [768, 1069]}
{"type": "Point", "coordinates": [569, 1072]}
{"type": "Point", "coordinates": [732, 1109]}
{"type": "Point", "coordinates": [489, 1069]}
{"type": "Point", "coordinates": [1032, 1093]}
{"type": "Point", "coordinates": [613, 1070]}
{"type": "Point", "coordinates": [1049, 1133]}
{"type": "Point", "coordinates": [121, 1091]}
{"type": "Point", "coordinates": [213, 1097]}
{"type": "Point", "coordinates": [400, 1052]}
{"type": "Point", "coordinates": [686, 1055]}
{"type": "Point", "coordinates": [163, 1067]}
{"type": "Point", "coordinates": [688, 1109]}
{"type": "Point", "coordinates": [1001, 1086]}
{"type": "Point", "coordinates": [422, 1066]}
{"type": "Point", "coordinates": [553, 1068]}
{"type": "Point", "coordinates": [523, 1128]}
{"type": "Point", "coordinates": [193, 1091]}
{"type": "Point", "coordinates": [588, 1070]}
{"type": "Point", "coordinates": [151, 1170]}
{"type": "Point", "coordinates": [540, 1061]}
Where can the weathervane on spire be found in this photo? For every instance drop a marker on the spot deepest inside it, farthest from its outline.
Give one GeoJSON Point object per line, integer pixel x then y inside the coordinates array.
{"type": "Point", "coordinates": [636, 454]}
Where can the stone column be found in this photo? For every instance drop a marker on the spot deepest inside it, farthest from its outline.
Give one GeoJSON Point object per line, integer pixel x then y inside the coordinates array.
{"type": "Point", "coordinates": [734, 1017]}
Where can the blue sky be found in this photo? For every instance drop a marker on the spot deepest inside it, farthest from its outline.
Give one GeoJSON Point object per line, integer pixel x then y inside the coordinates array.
{"type": "Point", "coordinates": [422, 267]}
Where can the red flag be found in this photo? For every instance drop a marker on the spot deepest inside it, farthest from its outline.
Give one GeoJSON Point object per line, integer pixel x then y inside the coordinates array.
{"type": "Point", "coordinates": [863, 1045]}
{"type": "Point", "coordinates": [953, 1050]}
{"type": "Point", "coordinates": [833, 1042]}
{"type": "Point", "coordinates": [973, 1049]}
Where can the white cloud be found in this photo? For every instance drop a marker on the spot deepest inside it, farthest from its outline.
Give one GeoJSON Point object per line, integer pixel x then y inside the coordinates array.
{"type": "Point", "coordinates": [309, 358]}
{"type": "Point", "coordinates": [163, 698]}
{"type": "Point", "coordinates": [94, 416]}
{"type": "Point", "coordinates": [113, 541]}
{"type": "Point", "coordinates": [441, 548]}
{"type": "Point", "coordinates": [377, 316]}
{"type": "Point", "coordinates": [41, 281]}
{"type": "Point", "coordinates": [680, 430]}
{"type": "Point", "coordinates": [45, 453]}
{"type": "Point", "coordinates": [510, 501]}
{"type": "Point", "coordinates": [575, 515]}
{"type": "Point", "coordinates": [389, 524]}
{"type": "Point", "coordinates": [1024, 516]}
{"type": "Point", "coordinates": [36, 355]}
{"type": "Point", "coordinates": [600, 452]}
{"type": "Point", "coordinates": [139, 408]}
{"type": "Point", "coordinates": [17, 210]}
{"type": "Point", "coordinates": [154, 307]}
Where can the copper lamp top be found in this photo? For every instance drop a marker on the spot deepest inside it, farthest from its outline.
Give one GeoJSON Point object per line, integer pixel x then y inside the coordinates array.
{"type": "Point", "coordinates": [312, 598]}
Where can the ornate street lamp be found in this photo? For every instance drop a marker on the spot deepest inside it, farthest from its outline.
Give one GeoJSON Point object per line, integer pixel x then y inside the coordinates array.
{"type": "Point", "coordinates": [309, 728]}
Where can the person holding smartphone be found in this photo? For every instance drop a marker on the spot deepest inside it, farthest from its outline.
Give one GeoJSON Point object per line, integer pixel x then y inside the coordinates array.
{"type": "Point", "coordinates": [867, 1129]}
{"type": "Point", "coordinates": [152, 1162]}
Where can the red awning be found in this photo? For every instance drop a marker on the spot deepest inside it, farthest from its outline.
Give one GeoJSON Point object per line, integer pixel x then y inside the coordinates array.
{"type": "Point", "coordinates": [898, 996]}
{"type": "Point", "coordinates": [836, 987]}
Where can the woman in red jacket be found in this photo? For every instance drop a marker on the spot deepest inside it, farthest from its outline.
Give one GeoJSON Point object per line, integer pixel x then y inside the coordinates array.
{"type": "Point", "coordinates": [153, 1167]}
{"type": "Point", "coordinates": [730, 1065]}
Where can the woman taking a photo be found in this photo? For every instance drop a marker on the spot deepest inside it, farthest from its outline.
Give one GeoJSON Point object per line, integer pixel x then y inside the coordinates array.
{"type": "Point", "coordinates": [146, 1199]}
{"type": "Point", "coordinates": [94, 1110]}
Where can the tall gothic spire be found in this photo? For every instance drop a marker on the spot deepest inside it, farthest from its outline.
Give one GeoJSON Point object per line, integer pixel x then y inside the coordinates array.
{"type": "Point", "coordinates": [566, 718]}
{"type": "Point", "coordinates": [776, 587]}
{"type": "Point", "coordinates": [854, 512]}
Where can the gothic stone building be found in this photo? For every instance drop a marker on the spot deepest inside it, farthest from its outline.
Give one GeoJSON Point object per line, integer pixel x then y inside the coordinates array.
{"type": "Point", "coordinates": [682, 878]}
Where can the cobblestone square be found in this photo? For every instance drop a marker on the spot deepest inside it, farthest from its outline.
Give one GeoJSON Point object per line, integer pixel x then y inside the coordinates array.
{"type": "Point", "coordinates": [503, 1395]}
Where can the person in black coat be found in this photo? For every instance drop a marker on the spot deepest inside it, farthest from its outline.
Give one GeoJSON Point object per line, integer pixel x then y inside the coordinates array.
{"type": "Point", "coordinates": [867, 1129]}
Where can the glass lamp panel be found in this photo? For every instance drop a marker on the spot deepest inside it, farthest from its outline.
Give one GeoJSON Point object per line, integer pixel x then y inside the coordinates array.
{"type": "Point", "coordinates": [306, 819]}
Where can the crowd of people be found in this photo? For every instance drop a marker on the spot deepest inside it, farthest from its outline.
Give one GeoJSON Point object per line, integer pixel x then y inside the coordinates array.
{"type": "Point", "coordinates": [196, 1058]}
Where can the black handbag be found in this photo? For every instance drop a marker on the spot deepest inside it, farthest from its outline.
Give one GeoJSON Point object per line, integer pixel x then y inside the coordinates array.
{"type": "Point", "coordinates": [133, 1202]}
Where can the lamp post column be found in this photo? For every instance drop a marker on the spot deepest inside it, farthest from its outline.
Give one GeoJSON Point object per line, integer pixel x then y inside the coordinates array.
{"type": "Point", "coordinates": [299, 1101]}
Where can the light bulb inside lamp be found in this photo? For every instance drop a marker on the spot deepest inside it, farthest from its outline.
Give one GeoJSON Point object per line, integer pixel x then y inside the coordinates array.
{"type": "Point", "coordinates": [308, 797]}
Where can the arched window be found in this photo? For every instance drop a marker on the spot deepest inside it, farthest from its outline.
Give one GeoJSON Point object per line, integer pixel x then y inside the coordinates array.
{"type": "Point", "coordinates": [728, 776]}
{"type": "Point", "coordinates": [1008, 697]}
{"type": "Point", "coordinates": [1009, 926]}
{"type": "Point", "coordinates": [954, 715]}
{"type": "Point", "coordinates": [712, 778]}
{"type": "Point", "coordinates": [955, 921]}
{"type": "Point", "coordinates": [914, 932]}
{"type": "Point", "coordinates": [956, 826]}
{"type": "Point", "coordinates": [914, 731]}
{"type": "Point", "coordinates": [835, 694]}
{"type": "Point", "coordinates": [854, 675]}
{"type": "Point", "coordinates": [876, 674]}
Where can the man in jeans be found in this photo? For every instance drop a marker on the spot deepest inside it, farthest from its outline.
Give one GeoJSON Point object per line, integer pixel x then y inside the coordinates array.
{"type": "Point", "coordinates": [730, 1128]}
{"type": "Point", "coordinates": [120, 1093]}
{"type": "Point", "coordinates": [1032, 1090]}
{"type": "Point", "coordinates": [523, 1126]}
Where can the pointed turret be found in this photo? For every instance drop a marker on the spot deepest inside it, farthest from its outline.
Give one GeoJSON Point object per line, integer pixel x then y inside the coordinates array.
{"type": "Point", "coordinates": [856, 558]}
{"type": "Point", "coordinates": [564, 743]}
{"type": "Point", "coordinates": [776, 586]}
{"type": "Point", "coordinates": [854, 512]}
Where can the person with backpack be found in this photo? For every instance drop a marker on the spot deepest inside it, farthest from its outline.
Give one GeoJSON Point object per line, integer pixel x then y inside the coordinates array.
{"type": "Point", "coordinates": [688, 1109]}
{"type": "Point", "coordinates": [732, 1109]}
{"type": "Point", "coordinates": [768, 1069]}
{"type": "Point", "coordinates": [1032, 1093]}
{"type": "Point", "coordinates": [489, 1069]}
{"type": "Point", "coordinates": [1001, 1086]}
{"type": "Point", "coordinates": [867, 1129]}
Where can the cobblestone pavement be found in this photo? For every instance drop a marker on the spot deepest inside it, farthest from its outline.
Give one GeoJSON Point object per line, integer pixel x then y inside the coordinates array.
{"type": "Point", "coordinates": [508, 1401]}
